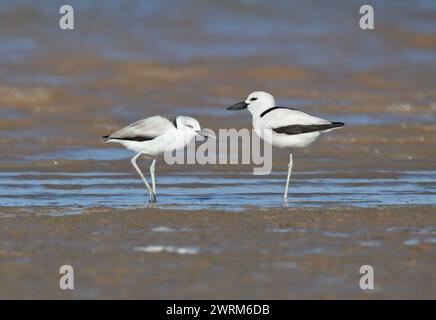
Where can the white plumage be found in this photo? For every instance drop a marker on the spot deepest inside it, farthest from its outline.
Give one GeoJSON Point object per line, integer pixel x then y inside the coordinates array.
{"type": "Point", "coordinates": [154, 136]}
{"type": "Point", "coordinates": [283, 127]}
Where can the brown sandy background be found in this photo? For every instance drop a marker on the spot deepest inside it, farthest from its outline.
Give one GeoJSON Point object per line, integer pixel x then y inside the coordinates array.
{"type": "Point", "coordinates": [362, 195]}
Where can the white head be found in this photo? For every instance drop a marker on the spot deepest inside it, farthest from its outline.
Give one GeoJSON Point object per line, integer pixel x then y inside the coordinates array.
{"type": "Point", "coordinates": [192, 127]}
{"type": "Point", "coordinates": [188, 123]}
{"type": "Point", "coordinates": [256, 102]}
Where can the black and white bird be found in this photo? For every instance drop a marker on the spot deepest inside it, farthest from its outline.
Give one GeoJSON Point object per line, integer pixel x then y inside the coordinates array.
{"type": "Point", "coordinates": [154, 136]}
{"type": "Point", "coordinates": [283, 127]}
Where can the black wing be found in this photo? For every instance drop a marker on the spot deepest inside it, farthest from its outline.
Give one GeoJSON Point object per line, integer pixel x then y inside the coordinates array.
{"type": "Point", "coordinates": [299, 128]}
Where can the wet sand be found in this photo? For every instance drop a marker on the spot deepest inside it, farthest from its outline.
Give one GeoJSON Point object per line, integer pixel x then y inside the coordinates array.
{"type": "Point", "coordinates": [365, 194]}
{"type": "Point", "coordinates": [258, 254]}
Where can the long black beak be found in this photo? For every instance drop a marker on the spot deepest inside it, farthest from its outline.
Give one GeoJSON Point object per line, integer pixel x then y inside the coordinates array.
{"type": "Point", "coordinates": [238, 106]}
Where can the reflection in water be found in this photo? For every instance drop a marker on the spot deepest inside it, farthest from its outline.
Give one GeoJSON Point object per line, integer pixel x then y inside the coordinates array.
{"type": "Point", "coordinates": [61, 91]}
{"type": "Point", "coordinates": [208, 191]}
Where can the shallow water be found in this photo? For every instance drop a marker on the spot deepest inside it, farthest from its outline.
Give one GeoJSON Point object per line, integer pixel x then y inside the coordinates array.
{"type": "Point", "coordinates": [364, 194]}
{"type": "Point", "coordinates": [225, 191]}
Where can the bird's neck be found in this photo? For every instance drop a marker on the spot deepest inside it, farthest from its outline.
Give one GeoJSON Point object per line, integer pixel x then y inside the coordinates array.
{"type": "Point", "coordinates": [187, 133]}
{"type": "Point", "coordinates": [257, 111]}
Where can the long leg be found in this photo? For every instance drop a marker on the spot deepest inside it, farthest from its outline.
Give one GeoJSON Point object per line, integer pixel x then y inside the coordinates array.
{"type": "Point", "coordinates": [150, 191]}
{"type": "Point", "coordinates": [289, 176]}
{"type": "Point", "coordinates": [153, 178]}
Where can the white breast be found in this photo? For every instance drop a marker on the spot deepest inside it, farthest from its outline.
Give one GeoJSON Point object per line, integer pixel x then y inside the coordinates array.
{"type": "Point", "coordinates": [172, 140]}
{"type": "Point", "coordinates": [264, 126]}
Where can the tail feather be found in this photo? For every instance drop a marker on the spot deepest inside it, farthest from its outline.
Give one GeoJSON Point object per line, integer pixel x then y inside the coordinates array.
{"type": "Point", "coordinates": [334, 126]}
{"type": "Point", "coordinates": [337, 124]}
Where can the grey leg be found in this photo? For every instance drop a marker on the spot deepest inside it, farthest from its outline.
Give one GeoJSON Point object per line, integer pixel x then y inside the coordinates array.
{"type": "Point", "coordinates": [153, 178]}
{"type": "Point", "coordinates": [150, 191]}
{"type": "Point", "coordinates": [289, 176]}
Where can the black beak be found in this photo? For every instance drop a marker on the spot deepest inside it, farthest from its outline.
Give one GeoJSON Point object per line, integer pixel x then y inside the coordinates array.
{"type": "Point", "coordinates": [238, 106]}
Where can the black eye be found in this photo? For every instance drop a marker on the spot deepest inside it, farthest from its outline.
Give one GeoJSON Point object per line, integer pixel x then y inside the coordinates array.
{"type": "Point", "coordinates": [253, 99]}
{"type": "Point", "coordinates": [189, 126]}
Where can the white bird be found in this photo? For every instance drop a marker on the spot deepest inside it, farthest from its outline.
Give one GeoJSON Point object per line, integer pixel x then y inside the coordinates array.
{"type": "Point", "coordinates": [282, 127]}
{"type": "Point", "coordinates": [154, 136]}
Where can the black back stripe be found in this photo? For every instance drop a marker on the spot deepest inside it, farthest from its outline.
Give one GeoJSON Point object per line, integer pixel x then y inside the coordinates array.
{"type": "Point", "coordinates": [172, 119]}
{"type": "Point", "coordinates": [299, 128]}
{"type": "Point", "coordinates": [272, 109]}
{"type": "Point", "coordinates": [136, 138]}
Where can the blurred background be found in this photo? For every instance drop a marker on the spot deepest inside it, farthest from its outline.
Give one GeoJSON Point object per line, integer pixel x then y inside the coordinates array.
{"type": "Point", "coordinates": [61, 188]}
{"type": "Point", "coordinates": [128, 59]}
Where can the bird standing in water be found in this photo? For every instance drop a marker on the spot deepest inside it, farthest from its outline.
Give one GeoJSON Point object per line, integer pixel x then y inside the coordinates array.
{"type": "Point", "coordinates": [154, 136]}
{"type": "Point", "coordinates": [284, 127]}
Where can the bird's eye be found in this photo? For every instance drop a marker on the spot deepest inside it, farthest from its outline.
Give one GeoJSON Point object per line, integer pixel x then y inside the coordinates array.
{"type": "Point", "coordinates": [190, 126]}
{"type": "Point", "coordinates": [253, 99]}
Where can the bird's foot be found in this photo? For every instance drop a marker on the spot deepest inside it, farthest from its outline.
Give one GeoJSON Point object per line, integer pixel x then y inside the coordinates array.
{"type": "Point", "coordinates": [152, 197]}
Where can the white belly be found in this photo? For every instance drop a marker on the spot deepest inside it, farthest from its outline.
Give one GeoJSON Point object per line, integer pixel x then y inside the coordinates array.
{"type": "Point", "coordinates": [173, 140]}
{"type": "Point", "coordinates": [284, 141]}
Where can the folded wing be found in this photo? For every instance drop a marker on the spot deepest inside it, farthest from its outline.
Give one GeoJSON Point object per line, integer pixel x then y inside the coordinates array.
{"type": "Point", "coordinates": [290, 121]}
{"type": "Point", "coordinates": [297, 128]}
{"type": "Point", "coordinates": [145, 129]}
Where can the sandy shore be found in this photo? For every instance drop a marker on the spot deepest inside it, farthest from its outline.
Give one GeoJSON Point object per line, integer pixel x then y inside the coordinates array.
{"type": "Point", "coordinates": [258, 254]}
{"type": "Point", "coordinates": [365, 194]}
